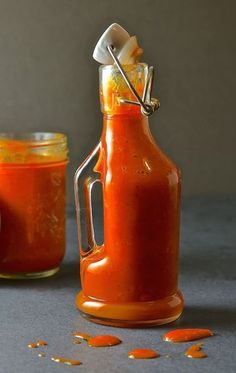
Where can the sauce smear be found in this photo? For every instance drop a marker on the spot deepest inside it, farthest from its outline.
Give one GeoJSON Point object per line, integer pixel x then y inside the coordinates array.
{"type": "Point", "coordinates": [103, 341]}
{"type": "Point", "coordinates": [41, 354]}
{"type": "Point", "coordinates": [32, 345]}
{"type": "Point", "coordinates": [195, 352]}
{"type": "Point", "coordinates": [76, 342]}
{"type": "Point", "coordinates": [143, 353]}
{"type": "Point", "coordinates": [185, 335]}
{"type": "Point", "coordinates": [63, 360]}
{"type": "Point", "coordinates": [41, 342]}
{"type": "Point", "coordinates": [82, 335]}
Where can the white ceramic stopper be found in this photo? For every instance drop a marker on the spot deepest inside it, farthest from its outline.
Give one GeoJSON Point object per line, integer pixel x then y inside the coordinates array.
{"type": "Point", "coordinates": [114, 35]}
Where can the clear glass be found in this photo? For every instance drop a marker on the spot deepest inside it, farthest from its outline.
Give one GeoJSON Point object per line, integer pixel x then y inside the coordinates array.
{"type": "Point", "coordinates": [113, 88]}
{"type": "Point", "coordinates": [32, 203]}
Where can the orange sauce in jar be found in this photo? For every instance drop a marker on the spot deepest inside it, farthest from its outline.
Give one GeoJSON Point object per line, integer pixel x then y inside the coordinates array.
{"type": "Point", "coordinates": [32, 204]}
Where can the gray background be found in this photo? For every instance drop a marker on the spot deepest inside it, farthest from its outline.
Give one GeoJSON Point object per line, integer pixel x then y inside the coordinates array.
{"type": "Point", "coordinates": [48, 80]}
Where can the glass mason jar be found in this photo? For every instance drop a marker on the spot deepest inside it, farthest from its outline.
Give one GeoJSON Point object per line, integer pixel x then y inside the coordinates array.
{"type": "Point", "coordinates": [131, 279]}
{"type": "Point", "coordinates": [32, 203]}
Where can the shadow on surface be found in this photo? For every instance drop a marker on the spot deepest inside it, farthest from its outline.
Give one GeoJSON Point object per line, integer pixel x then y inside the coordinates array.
{"type": "Point", "coordinates": [67, 277]}
{"type": "Point", "coordinates": [217, 263]}
{"type": "Point", "coordinates": [217, 317]}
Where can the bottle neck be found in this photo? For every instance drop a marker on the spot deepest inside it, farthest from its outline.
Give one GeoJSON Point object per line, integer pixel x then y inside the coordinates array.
{"type": "Point", "coordinates": [125, 129]}
{"type": "Point", "coordinates": [114, 90]}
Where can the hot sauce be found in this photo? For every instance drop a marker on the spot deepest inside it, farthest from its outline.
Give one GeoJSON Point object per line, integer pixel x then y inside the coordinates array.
{"type": "Point", "coordinates": [132, 278]}
{"type": "Point", "coordinates": [195, 352]}
{"type": "Point", "coordinates": [103, 341]}
{"type": "Point", "coordinates": [63, 360]}
{"type": "Point", "coordinates": [143, 353]}
{"type": "Point", "coordinates": [32, 345]}
{"type": "Point", "coordinates": [185, 335]}
{"type": "Point", "coordinates": [41, 343]}
{"type": "Point", "coordinates": [41, 354]}
{"type": "Point", "coordinates": [32, 204]}
{"type": "Point", "coordinates": [81, 335]}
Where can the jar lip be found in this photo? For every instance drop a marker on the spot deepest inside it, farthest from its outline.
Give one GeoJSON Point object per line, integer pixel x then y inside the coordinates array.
{"type": "Point", "coordinates": [129, 66]}
{"type": "Point", "coordinates": [34, 139]}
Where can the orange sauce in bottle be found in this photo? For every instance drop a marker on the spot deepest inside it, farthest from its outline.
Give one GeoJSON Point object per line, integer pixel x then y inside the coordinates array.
{"type": "Point", "coordinates": [195, 352]}
{"type": "Point", "coordinates": [141, 198]}
{"type": "Point", "coordinates": [185, 335]}
{"type": "Point", "coordinates": [103, 341]}
{"type": "Point", "coordinates": [143, 353]}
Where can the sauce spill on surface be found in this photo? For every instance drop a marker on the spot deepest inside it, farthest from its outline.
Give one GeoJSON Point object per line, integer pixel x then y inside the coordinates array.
{"type": "Point", "coordinates": [82, 335]}
{"type": "Point", "coordinates": [63, 360]}
{"type": "Point", "coordinates": [32, 345]}
{"type": "Point", "coordinates": [103, 341]}
{"type": "Point", "coordinates": [143, 353]}
{"type": "Point", "coordinates": [185, 335]}
{"type": "Point", "coordinates": [76, 342]}
{"type": "Point", "coordinates": [41, 342]}
{"type": "Point", "coordinates": [41, 354]}
{"type": "Point", "coordinates": [195, 352]}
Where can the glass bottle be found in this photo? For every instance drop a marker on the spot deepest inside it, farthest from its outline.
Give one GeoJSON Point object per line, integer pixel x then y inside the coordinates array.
{"type": "Point", "coordinates": [131, 279]}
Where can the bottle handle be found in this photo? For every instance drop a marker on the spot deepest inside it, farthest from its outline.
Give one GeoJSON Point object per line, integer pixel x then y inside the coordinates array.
{"type": "Point", "coordinates": [88, 186]}
{"type": "Point", "coordinates": [83, 184]}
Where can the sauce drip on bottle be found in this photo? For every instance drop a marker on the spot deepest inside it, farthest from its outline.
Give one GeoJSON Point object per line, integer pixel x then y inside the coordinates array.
{"type": "Point", "coordinates": [195, 352]}
{"type": "Point", "coordinates": [143, 353]}
{"type": "Point", "coordinates": [185, 335]}
{"type": "Point", "coordinates": [103, 341]}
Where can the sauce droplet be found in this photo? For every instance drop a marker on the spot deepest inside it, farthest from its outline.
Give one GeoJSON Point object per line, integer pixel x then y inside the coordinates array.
{"type": "Point", "coordinates": [195, 352]}
{"type": "Point", "coordinates": [32, 345]}
{"type": "Point", "coordinates": [82, 335]}
{"type": "Point", "coordinates": [143, 353]}
{"type": "Point", "coordinates": [41, 342]}
{"type": "Point", "coordinates": [63, 360]}
{"type": "Point", "coordinates": [185, 335]}
{"type": "Point", "coordinates": [41, 354]}
{"type": "Point", "coordinates": [103, 341]}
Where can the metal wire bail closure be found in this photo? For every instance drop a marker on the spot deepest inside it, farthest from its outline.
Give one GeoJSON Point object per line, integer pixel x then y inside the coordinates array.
{"type": "Point", "coordinates": [147, 103]}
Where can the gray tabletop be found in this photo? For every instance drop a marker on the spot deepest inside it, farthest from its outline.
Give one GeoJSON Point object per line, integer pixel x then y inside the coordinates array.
{"type": "Point", "coordinates": [44, 309]}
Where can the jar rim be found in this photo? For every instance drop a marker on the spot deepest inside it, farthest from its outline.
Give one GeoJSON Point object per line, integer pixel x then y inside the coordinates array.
{"type": "Point", "coordinates": [34, 139]}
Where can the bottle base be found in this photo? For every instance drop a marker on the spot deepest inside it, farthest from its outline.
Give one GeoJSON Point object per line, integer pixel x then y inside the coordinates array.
{"type": "Point", "coordinates": [131, 315]}
{"type": "Point", "coordinates": [29, 275]}
{"type": "Point", "coordinates": [130, 324]}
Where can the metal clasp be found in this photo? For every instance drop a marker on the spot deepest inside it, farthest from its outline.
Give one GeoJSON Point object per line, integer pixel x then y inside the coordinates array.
{"type": "Point", "coordinates": [147, 103]}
